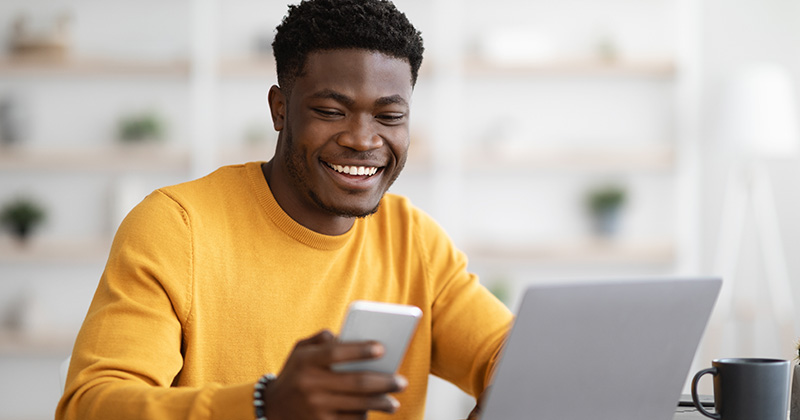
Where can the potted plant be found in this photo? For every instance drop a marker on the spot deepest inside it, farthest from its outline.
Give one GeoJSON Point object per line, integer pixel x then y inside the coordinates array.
{"type": "Point", "coordinates": [145, 126]}
{"type": "Point", "coordinates": [604, 205]}
{"type": "Point", "coordinates": [21, 216]}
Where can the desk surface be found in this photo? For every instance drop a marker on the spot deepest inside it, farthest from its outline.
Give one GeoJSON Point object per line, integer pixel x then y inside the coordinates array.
{"type": "Point", "coordinates": [688, 413]}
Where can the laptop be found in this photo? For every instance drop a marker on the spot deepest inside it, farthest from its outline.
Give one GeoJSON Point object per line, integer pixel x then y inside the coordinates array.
{"type": "Point", "coordinates": [601, 350]}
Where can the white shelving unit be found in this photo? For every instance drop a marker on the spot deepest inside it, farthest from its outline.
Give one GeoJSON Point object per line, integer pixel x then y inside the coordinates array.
{"type": "Point", "coordinates": [521, 142]}
{"type": "Point", "coordinates": [501, 153]}
{"type": "Point", "coordinates": [517, 127]}
{"type": "Point", "coordinates": [87, 66]}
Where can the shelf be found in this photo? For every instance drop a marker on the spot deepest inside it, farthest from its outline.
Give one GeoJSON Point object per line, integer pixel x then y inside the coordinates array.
{"type": "Point", "coordinates": [248, 67]}
{"type": "Point", "coordinates": [249, 153]}
{"type": "Point", "coordinates": [581, 251]}
{"type": "Point", "coordinates": [254, 66]}
{"type": "Point", "coordinates": [39, 250]}
{"type": "Point", "coordinates": [84, 66]}
{"type": "Point", "coordinates": [132, 158]}
{"type": "Point", "coordinates": [574, 160]}
{"type": "Point", "coordinates": [18, 343]}
{"type": "Point", "coordinates": [476, 66]}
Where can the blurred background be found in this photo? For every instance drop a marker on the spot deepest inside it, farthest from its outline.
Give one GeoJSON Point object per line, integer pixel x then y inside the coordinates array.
{"type": "Point", "coordinates": [552, 139]}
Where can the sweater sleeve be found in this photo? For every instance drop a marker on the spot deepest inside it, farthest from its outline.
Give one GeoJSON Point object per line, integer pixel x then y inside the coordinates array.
{"type": "Point", "coordinates": [469, 323]}
{"type": "Point", "coordinates": [128, 352]}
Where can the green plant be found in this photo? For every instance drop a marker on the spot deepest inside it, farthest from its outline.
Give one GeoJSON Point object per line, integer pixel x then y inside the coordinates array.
{"type": "Point", "coordinates": [607, 198]}
{"type": "Point", "coordinates": [21, 216]}
{"type": "Point", "coordinates": [141, 126]}
{"type": "Point", "coordinates": [501, 290]}
{"type": "Point", "coordinates": [604, 205]}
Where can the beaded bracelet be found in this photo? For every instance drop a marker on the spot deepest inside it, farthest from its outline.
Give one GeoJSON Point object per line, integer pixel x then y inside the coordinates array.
{"type": "Point", "coordinates": [258, 395]}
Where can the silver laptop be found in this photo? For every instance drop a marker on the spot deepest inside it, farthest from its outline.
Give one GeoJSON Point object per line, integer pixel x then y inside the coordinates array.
{"type": "Point", "coordinates": [601, 350]}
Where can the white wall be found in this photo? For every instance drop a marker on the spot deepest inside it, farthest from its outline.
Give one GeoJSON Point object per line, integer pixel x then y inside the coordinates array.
{"type": "Point", "coordinates": [736, 34]}
{"type": "Point", "coordinates": [71, 112]}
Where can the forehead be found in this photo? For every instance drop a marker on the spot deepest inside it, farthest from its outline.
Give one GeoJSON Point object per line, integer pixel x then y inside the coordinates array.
{"type": "Point", "coordinates": [359, 74]}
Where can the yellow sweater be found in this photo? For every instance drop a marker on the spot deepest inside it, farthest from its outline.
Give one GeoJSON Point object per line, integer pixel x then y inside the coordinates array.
{"type": "Point", "coordinates": [209, 284]}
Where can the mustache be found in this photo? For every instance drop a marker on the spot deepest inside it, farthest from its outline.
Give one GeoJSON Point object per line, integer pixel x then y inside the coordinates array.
{"type": "Point", "coordinates": [356, 155]}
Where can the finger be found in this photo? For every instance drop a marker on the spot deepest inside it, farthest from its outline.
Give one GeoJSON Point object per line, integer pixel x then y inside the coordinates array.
{"type": "Point", "coordinates": [351, 403]}
{"type": "Point", "coordinates": [324, 354]}
{"type": "Point", "coordinates": [321, 337]}
{"type": "Point", "coordinates": [356, 350]}
{"type": "Point", "coordinates": [313, 350]}
{"type": "Point", "coordinates": [357, 383]}
{"type": "Point", "coordinates": [363, 382]}
{"type": "Point", "coordinates": [352, 416]}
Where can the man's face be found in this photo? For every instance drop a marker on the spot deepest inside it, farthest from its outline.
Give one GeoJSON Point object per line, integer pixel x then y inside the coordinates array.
{"type": "Point", "coordinates": [344, 134]}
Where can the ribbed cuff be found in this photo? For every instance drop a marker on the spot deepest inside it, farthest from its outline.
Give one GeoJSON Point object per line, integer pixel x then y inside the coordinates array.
{"type": "Point", "coordinates": [233, 403]}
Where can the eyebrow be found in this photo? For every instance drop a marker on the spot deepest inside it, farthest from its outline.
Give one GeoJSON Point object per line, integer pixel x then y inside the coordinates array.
{"type": "Point", "coordinates": [346, 100]}
{"type": "Point", "coordinates": [332, 94]}
{"type": "Point", "coordinates": [390, 100]}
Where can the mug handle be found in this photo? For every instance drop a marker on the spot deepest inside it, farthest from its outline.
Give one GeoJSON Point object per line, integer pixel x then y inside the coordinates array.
{"type": "Point", "coordinates": [696, 399]}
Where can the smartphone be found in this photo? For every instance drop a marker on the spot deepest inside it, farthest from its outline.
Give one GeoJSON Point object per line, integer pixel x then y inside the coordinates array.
{"type": "Point", "coordinates": [391, 324]}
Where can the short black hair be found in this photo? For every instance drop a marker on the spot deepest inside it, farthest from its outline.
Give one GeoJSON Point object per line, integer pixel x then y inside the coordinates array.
{"type": "Point", "coordinates": [319, 25]}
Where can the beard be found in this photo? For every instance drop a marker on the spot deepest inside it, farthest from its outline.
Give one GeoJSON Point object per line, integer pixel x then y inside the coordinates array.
{"type": "Point", "coordinates": [298, 171]}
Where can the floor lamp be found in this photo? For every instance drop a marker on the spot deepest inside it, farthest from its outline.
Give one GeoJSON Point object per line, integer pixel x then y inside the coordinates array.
{"type": "Point", "coordinates": [761, 116]}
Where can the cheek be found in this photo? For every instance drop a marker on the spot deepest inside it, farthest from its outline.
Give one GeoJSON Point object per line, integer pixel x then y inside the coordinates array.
{"type": "Point", "coordinates": [399, 142]}
{"type": "Point", "coordinates": [305, 140]}
{"type": "Point", "coordinates": [311, 135]}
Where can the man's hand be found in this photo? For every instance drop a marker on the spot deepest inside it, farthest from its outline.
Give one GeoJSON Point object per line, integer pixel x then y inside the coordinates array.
{"type": "Point", "coordinates": [308, 389]}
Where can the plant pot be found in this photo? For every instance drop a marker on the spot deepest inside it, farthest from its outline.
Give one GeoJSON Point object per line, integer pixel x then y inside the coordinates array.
{"type": "Point", "coordinates": [605, 222]}
{"type": "Point", "coordinates": [22, 232]}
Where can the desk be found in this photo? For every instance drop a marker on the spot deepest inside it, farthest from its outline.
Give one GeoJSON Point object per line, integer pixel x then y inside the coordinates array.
{"type": "Point", "coordinates": [689, 413]}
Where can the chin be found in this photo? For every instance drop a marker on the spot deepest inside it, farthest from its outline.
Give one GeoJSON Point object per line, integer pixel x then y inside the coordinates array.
{"type": "Point", "coordinates": [358, 212]}
{"type": "Point", "coordinates": [354, 210]}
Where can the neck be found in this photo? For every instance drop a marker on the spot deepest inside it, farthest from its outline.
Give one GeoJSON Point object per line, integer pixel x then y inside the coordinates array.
{"type": "Point", "coordinates": [287, 199]}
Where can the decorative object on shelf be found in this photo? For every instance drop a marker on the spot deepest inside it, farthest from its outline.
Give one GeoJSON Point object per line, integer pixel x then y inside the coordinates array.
{"type": "Point", "coordinates": [25, 42]}
{"type": "Point", "coordinates": [500, 287]}
{"type": "Point", "coordinates": [21, 216]}
{"type": "Point", "coordinates": [606, 49]}
{"type": "Point", "coordinates": [257, 134]}
{"type": "Point", "coordinates": [605, 207]}
{"type": "Point", "coordinates": [12, 122]}
{"type": "Point", "coordinates": [515, 46]}
{"type": "Point", "coordinates": [140, 127]}
{"type": "Point", "coordinates": [14, 315]}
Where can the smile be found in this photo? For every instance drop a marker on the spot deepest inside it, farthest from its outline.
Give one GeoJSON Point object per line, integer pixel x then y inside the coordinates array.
{"type": "Point", "coordinates": [354, 170]}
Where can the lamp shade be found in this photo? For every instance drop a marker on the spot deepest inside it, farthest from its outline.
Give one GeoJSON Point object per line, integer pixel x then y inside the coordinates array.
{"type": "Point", "coordinates": [760, 112]}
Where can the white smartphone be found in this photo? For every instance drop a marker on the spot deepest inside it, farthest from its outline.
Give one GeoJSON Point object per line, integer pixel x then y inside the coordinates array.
{"type": "Point", "coordinates": [390, 324]}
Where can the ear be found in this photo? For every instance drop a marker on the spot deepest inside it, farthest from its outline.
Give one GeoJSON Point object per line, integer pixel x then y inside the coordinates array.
{"type": "Point", "coordinates": [277, 107]}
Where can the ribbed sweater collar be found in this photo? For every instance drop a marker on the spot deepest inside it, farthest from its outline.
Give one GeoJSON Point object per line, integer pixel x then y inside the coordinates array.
{"type": "Point", "coordinates": [285, 223]}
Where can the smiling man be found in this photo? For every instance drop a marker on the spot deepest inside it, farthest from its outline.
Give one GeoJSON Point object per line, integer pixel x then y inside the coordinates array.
{"type": "Point", "coordinates": [346, 140]}
{"type": "Point", "coordinates": [219, 294]}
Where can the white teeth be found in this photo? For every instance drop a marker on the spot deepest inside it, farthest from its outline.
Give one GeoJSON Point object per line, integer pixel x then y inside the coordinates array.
{"type": "Point", "coordinates": [355, 170]}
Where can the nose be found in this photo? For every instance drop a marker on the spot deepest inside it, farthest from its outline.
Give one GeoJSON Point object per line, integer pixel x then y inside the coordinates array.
{"type": "Point", "coordinates": [361, 134]}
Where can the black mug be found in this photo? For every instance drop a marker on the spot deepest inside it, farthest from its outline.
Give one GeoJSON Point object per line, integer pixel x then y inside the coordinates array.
{"type": "Point", "coordinates": [747, 389]}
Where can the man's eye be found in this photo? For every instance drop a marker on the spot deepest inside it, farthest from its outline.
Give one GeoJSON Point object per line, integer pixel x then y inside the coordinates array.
{"type": "Point", "coordinates": [327, 112]}
{"type": "Point", "coordinates": [390, 117]}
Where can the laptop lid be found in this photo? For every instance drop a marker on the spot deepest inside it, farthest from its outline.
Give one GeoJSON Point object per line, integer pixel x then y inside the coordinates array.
{"type": "Point", "coordinates": [605, 350]}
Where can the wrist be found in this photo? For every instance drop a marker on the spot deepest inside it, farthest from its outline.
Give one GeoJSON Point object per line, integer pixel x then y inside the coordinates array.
{"type": "Point", "coordinates": [259, 393]}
